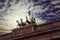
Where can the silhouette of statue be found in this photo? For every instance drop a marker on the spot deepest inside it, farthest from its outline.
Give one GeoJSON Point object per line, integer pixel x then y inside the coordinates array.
{"type": "Point", "coordinates": [28, 21]}
{"type": "Point", "coordinates": [22, 23]}
{"type": "Point", "coordinates": [18, 23]}
{"type": "Point", "coordinates": [32, 20]}
{"type": "Point", "coordinates": [29, 13]}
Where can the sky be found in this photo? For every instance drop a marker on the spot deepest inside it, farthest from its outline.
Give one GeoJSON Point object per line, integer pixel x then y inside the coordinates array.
{"type": "Point", "coordinates": [42, 10]}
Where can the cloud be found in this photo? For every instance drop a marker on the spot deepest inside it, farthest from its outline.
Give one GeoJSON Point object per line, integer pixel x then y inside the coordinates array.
{"type": "Point", "coordinates": [20, 9]}
{"type": "Point", "coordinates": [13, 13]}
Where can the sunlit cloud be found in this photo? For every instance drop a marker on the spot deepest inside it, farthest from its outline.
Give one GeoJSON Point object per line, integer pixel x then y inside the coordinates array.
{"type": "Point", "coordinates": [15, 9]}
{"type": "Point", "coordinates": [15, 12]}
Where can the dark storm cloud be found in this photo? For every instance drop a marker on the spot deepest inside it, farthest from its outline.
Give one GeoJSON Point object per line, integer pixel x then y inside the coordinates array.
{"type": "Point", "coordinates": [42, 10]}
{"type": "Point", "coordinates": [44, 3]}
{"type": "Point", "coordinates": [2, 3]}
{"type": "Point", "coordinates": [51, 9]}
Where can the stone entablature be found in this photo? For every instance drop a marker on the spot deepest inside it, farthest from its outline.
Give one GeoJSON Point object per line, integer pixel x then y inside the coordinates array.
{"type": "Point", "coordinates": [47, 31]}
